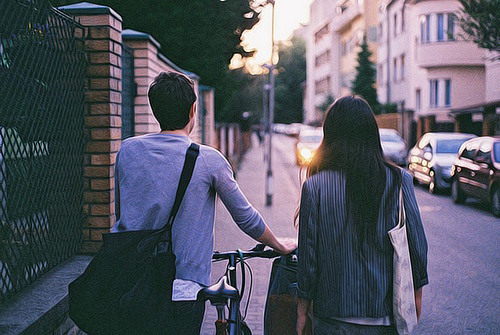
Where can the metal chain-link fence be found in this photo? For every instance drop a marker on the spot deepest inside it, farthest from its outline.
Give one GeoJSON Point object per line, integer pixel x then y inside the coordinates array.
{"type": "Point", "coordinates": [42, 68]}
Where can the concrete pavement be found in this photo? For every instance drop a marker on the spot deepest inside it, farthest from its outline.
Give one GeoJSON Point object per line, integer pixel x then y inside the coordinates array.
{"type": "Point", "coordinates": [279, 217]}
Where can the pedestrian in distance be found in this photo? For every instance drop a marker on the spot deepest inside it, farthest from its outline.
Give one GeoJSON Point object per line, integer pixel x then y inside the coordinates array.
{"type": "Point", "coordinates": [348, 204]}
{"type": "Point", "coordinates": [147, 172]}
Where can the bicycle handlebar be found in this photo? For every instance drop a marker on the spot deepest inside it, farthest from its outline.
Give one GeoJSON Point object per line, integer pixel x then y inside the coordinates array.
{"type": "Point", "coordinates": [257, 252]}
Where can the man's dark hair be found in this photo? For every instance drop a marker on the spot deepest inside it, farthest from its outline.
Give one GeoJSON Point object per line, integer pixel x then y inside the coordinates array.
{"type": "Point", "coordinates": [171, 96]}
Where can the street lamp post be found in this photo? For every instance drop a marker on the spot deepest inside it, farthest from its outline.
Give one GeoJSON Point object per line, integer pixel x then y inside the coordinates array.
{"type": "Point", "coordinates": [269, 173]}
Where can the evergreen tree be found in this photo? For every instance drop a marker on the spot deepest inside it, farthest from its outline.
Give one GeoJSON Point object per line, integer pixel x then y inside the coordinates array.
{"type": "Point", "coordinates": [291, 74]}
{"type": "Point", "coordinates": [364, 83]}
{"type": "Point", "coordinates": [480, 20]}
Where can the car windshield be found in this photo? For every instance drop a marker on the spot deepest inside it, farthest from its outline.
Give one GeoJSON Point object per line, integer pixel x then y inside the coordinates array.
{"type": "Point", "coordinates": [311, 139]}
{"type": "Point", "coordinates": [390, 137]}
{"type": "Point", "coordinates": [496, 151]}
{"type": "Point", "coordinates": [449, 146]}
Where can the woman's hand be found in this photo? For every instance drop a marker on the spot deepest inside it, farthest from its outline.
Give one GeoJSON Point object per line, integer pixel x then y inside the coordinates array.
{"type": "Point", "coordinates": [302, 314]}
{"type": "Point", "coordinates": [418, 302]}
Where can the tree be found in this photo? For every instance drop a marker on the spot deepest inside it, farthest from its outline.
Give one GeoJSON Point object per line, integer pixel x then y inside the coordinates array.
{"type": "Point", "coordinates": [364, 82]}
{"type": "Point", "coordinates": [246, 97]}
{"type": "Point", "coordinates": [198, 35]}
{"type": "Point", "coordinates": [291, 75]}
{"type": "Point", "coordinates": [480, 20]}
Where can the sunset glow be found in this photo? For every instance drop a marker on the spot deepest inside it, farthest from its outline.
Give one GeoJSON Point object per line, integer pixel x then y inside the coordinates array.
{"type": "Point", "coordinates": [289, 15]}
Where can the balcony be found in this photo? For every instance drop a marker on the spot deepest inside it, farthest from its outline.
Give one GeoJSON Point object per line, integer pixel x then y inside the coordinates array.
{"type": "Point", "coordinates": [449, 53]}
{"type": "Point", "coordinates": [344, 19]}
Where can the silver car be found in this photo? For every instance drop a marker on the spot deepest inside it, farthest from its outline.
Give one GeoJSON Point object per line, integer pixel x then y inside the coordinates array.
{"type": "Point", "coordinates": [393, 146]}
{"type": "Point", "coordinates": [430, 161]}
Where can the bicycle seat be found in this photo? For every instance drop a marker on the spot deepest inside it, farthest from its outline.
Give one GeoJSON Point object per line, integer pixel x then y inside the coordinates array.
{"type": "Point", "coordinates": [220, 292]}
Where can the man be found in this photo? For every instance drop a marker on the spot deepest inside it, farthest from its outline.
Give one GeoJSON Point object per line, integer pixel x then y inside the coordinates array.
{"type": "Point", "coordinates": [147, 173]}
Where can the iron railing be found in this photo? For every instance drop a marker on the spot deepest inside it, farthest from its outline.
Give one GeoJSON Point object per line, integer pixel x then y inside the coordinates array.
{"type": "Point", "coordinates": [42, 68]}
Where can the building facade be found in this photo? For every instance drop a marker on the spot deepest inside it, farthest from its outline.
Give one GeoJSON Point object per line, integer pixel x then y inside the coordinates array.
{"type": "Point", "coordinates": [334, 36]}
{"type": "Point", "coordinates": [427, 67]}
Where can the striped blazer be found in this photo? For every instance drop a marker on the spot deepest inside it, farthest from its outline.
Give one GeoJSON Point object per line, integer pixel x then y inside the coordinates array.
{"type": "Point", "coordinates": [340, 280]}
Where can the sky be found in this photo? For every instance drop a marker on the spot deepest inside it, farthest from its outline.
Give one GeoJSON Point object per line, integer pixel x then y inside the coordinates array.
{"type": "Point", "coordinates": [289, 15]}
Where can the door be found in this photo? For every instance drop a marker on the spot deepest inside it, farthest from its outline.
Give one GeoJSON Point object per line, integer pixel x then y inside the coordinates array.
{"type": "Point", "coordinates": [481, 175]}
{"type": "Point", "coordinates": [466, 166]}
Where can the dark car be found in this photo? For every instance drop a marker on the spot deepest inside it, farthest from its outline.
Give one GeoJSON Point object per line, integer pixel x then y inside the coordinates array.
{"type": "Point", "coordinates": [430, 161]}
{"type": "Point", "coordinates": [476, 172]}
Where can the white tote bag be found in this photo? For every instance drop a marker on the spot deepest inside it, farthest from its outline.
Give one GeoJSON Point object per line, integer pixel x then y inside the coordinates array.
{"type": "Point", "coordinates": [403, 304]}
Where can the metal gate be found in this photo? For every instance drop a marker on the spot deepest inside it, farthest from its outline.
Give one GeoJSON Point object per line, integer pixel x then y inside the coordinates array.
{"type": "Point", "coordinates": [42, 67]}
{"type": "Point", "coordinates": [129, 91]}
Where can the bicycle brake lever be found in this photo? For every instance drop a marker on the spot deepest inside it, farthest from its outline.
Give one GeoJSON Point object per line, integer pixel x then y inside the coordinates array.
{"type": "Point", "coordinates": [259, 247]}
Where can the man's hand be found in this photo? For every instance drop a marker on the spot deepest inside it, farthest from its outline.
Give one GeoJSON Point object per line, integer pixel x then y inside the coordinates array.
{"type": "Point", "coordinates": [302, 315]}
{"type": "Point", "coordinates": [286, 246]}
{"type": "Point", "coordinates": [283, 246]}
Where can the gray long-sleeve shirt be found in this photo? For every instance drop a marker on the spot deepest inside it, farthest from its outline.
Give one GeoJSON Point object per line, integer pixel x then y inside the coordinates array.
{"type": "Point", "coordinates": [147, 172]}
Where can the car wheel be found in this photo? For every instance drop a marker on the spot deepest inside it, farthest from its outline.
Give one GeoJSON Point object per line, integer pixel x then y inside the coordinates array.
{"type": "Point", "coordinates": [433, 189]}
{"type": "Point", "coordinates": [457, 194]}
{"type": "Point", "coordinates": [495, 202]}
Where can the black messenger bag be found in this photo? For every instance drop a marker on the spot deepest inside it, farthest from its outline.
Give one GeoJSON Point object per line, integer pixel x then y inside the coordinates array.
{"type": "Point", "coordinates": [127, 287]}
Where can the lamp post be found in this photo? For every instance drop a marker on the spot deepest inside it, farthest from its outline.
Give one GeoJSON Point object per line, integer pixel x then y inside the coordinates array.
{"type": "Point", "coordinates": [269, 173]}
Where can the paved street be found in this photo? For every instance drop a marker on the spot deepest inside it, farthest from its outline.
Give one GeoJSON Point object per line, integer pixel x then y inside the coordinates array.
{"type": "Point", "coordinates": [463, 295]}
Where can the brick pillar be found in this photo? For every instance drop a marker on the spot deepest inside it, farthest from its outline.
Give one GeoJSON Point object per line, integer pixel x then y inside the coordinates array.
{"type": "Point", "coordinates": [420, 127]}
{"type": "Point", "coordinates": [463, 123]}
{"type": "Point", "coordinates": [103, 45]}
{"type": "Point", "coordinates": [429, 123]}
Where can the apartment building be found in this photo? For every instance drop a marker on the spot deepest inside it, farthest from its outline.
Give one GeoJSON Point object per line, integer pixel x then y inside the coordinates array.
{"type": "Point", "coordinates": [427, 67]}
{"type": "Point", "coordinates": [334, 34]}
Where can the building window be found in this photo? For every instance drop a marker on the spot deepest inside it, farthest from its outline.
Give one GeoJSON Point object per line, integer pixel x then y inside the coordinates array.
{"type": "Point", "coordinates": [440, 27]}
{"type": "Point", "coordinates": [434, 93]}
{"type": "Point", "coordinates": [447, 96]}
{"type": "Point", "coordinates": [323, 58]}
{"type": "Point", "coordinates": [402, 67]}
{"type": "Point", "coordinates": [417, 100]}
{"type": "Point", "coordinates": [395, 70]}
{"type": "Point", "coordinates": [321, 33]}
{"type": "Point", "coordinates": [451, 27]}
{"type": "Point", "coordinates": [322, 86]}
{"type": "Point", "coordinates": [425, 28]}
{"type": "Point", "coordinates": [402, 19]}
{"type": "Point", "coordinates": [395, 24]}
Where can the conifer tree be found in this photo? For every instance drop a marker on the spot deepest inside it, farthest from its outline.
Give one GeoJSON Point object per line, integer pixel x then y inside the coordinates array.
{"type": "Point", "coordinates": [364, 82]}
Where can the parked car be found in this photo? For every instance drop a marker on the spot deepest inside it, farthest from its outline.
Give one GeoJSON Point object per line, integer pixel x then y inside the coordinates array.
{"type": "Point", "coordinates": [431, 159]}
{"type": "Point", "coordinates": [394, 146]}
{"type": "Point", "coordinates": [307, 143]}
{"type": "Point", "coordinates": [476, 172]}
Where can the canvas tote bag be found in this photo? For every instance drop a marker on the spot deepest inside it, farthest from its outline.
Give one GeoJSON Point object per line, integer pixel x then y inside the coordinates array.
{"type": "Point", "coordinates": [403, 304]}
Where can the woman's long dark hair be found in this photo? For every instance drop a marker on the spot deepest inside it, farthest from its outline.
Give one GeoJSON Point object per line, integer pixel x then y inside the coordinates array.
{"type": "Point", "coordinates": [351, 144]}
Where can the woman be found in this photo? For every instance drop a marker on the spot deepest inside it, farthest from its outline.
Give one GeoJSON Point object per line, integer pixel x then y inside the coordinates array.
{"type": "Point", "coordinates": [349, 202]}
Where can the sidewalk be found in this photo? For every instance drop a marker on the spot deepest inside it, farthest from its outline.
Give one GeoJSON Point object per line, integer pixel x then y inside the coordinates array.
{"type": "Point", "coordinates": [279, 217]}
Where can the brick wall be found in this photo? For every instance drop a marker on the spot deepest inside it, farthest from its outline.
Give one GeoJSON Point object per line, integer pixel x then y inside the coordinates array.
{"type": "Point", "coordinates": [103, 45]}
{"type": "Point", "coordinates": [148, 63]}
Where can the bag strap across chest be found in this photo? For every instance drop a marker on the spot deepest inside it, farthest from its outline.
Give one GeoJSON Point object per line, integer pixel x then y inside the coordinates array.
{"type": "Point", "coordinates": [192, 154]}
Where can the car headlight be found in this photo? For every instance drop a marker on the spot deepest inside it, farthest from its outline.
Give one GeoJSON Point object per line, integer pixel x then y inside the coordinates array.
{"type": "Point", "coordinates": [306, 153]}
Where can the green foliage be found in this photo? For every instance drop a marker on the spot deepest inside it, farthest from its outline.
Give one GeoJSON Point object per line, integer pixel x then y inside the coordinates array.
{"type": "Point", "coordinates": [198, 35]}
{"type": "Point", "coordinates": [246, 97]}
{"type": "Point", "coordinates": [364, 82]}
{"type": "Point", "coordinates": [329, 99]}
{"type": "Point", "coordinates": [480, 20]}
{"type": "Point", "coordinates": [289, 80]}
{"type": "Point", "coordinates": [387, 108]}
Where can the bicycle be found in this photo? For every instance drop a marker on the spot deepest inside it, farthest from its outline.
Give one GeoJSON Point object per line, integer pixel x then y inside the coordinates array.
{"type": "Point", "coordinates": [225, 294]}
